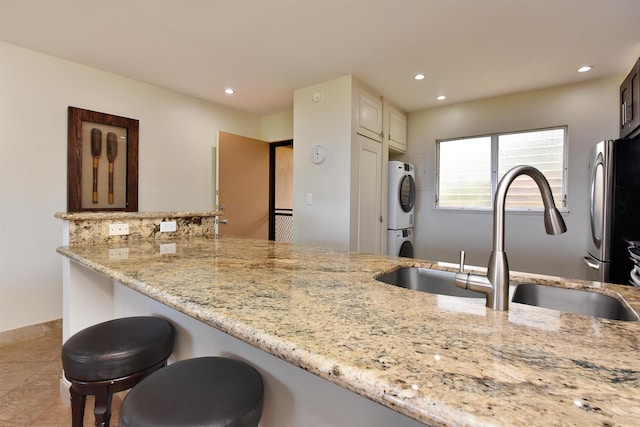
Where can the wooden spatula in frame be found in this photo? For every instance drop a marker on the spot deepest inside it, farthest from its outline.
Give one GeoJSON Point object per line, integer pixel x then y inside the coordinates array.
{"type": "Point", "coordinates": [96, 149]}
{"type": "Point", "coordinates": [112, 152]}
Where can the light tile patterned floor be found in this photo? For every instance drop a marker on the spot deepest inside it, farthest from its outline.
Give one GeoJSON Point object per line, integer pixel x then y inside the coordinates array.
{"type": "Point", "coordinates": [30, 372]}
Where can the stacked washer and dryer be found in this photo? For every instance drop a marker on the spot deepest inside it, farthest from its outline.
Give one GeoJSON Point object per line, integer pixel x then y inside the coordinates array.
{"type": "Point", "coordinates": [402, 197]}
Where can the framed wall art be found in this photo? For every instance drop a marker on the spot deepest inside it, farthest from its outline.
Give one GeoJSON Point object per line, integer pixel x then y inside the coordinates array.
{"type": "Point", "coordinates": [102, 162]}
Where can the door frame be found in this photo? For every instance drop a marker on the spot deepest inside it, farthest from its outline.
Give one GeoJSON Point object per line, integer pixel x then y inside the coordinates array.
{"type": "Point", "coordinates": [272, 184]}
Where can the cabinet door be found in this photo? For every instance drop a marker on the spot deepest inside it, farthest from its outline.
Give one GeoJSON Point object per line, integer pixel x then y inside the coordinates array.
{"type": "Point", "coordinates": [397, 132]}
{"type": "Point", "coordinates": [369, 196]}
{"type": "Point", "coordinates": [369, 115]}
{"type": "Point", "coordinates": [630, 102]}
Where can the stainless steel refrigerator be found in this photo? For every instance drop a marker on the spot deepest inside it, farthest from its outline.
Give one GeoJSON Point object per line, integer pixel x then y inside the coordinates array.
{"type": "Point", "coordinates": [614, 209]}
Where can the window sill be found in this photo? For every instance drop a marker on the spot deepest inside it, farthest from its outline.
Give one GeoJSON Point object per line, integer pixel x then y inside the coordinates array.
{"type": "Point", "coordinates": [563, 211]}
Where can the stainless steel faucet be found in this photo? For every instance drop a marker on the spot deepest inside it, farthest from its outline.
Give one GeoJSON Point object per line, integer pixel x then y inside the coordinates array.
{"type": "Point", "coordinates": [496, 283]}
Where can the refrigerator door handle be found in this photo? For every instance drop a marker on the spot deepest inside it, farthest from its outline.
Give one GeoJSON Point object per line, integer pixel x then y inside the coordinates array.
{"type": "Point", "coordinates": [596, 233]}
{"type": "Point", "coordinates": [592, 262]}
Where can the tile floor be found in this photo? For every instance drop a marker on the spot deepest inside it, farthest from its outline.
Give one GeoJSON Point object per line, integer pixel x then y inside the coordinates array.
{"type": "Point", "coordinates": [30, 372]}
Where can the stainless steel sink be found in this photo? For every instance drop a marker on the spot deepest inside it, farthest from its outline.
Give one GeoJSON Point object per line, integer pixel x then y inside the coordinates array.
{"type": "Point", "coordinates": [427, 280]}
{"type": "Point", "coordinates": [574, 301]}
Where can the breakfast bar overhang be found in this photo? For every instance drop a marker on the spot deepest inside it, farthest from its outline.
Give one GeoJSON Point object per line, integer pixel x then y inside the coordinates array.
{"type": "Point", "coordinates": [337, 347]}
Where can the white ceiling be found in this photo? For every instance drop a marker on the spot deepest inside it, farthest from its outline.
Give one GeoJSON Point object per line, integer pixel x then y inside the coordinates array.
{"type": "Point", "coordinates": [266, 49]}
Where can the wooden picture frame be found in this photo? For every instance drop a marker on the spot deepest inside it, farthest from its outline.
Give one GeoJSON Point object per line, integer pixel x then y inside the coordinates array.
{"type": "Point", "coordinates": [102, 162]}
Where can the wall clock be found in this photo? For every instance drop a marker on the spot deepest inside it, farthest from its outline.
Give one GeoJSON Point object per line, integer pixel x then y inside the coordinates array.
{"type": "Point", "coordinates": [318, 154]}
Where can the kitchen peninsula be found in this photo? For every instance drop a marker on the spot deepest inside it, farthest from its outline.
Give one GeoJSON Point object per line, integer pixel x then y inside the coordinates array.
{"type": "Point", "coordinates": [316, 323]}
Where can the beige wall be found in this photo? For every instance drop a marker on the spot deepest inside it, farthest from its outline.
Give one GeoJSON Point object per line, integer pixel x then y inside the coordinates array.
{"type": "Point", "coordinates": [277, 127]}
{"type": "Point", "coordinates": [590, 112]}
{"type": "Point", "coordinates": [325, 222]}
{"type": "Point", "coordinates": [177, 133]}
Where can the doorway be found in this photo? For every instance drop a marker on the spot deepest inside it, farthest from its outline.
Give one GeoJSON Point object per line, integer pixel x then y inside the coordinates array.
{"type": "Point", "coordinates": [255, 187]}
{"type": "Point", "coordinates": [281, 192]}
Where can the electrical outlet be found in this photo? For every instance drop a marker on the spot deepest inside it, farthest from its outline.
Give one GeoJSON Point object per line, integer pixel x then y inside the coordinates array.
{"type": "Point", "coordinates": [167, 226]}
{"type": "Point", "coordinates": [118, 229]}
{"type": "Point", "coordinates": [119, 253]}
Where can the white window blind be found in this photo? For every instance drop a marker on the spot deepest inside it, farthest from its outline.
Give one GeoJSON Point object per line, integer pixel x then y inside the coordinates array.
{"type": "Point", "coordinates": [465, 173]}
{"type": "Point", "coordinates": [543, 150]}
{"type": "Point", "coordinates": [469, 169]}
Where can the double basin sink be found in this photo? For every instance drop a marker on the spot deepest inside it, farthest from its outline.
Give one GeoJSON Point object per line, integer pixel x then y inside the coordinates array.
{"type": "Point", "coordinates": [562, 299]}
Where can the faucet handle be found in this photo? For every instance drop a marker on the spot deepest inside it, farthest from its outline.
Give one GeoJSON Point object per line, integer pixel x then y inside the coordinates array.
{"type": "Point", "coordinates": [461, 268]}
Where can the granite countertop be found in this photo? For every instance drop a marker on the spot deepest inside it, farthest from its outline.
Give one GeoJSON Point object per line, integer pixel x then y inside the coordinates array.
{"type": "Point", "coordinates": [115, 215]}
{"type": "Point", "coordinates": [440, 360]}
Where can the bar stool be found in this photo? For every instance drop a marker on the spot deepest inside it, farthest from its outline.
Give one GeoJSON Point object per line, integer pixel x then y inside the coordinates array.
{"type": "Point", "coordinates": [204, 391]}
{"type": "Point", "coordinates": [110, 357]}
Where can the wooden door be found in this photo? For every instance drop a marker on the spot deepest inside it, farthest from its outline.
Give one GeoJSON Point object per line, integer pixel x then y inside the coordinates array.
{"type": "Point", "coordinates": [243, 185]}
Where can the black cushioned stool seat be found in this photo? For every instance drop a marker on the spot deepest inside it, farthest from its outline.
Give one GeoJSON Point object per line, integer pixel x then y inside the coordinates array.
{"type": "Point", "coordinates": [205, 391]}
{"type": "Point", "coordinates": [113, 356]}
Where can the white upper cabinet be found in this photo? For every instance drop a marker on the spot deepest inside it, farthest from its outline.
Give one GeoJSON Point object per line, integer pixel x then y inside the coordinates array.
{"type": "Point", "coordinates": [395, 127]}
{"type": "Point", "coordinates": [369, 115]}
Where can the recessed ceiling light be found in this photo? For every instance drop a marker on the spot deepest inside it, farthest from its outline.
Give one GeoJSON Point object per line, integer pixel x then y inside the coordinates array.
{"type": "Point", "coordinates": [419, 76]}
{"type": "Point", "coordinates": [229, 91]}
{"type": "Point", "coordinates": [441, 98]}
{"type": "Point", "coordinates": [585, 68]}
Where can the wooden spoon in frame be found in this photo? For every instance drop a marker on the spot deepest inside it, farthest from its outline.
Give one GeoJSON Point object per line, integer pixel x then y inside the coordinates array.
{"type": "Point", "coordinates": [112, 152]}
{"type": "Point", "coordinates": [96, 149]}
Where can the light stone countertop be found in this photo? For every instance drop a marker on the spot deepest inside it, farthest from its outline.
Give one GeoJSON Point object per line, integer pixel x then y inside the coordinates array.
{"type": "Point", "coordinates": [115, 215]}
{"type": "Point", "coordinates": [440, 360]}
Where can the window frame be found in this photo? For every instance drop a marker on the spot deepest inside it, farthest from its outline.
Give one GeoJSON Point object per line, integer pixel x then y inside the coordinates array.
{"type": "Point", "coordinates": [494, 180]}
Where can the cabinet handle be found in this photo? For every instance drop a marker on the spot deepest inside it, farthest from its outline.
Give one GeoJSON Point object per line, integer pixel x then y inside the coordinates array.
{"type": "Point", "coordinates": [624, 113]}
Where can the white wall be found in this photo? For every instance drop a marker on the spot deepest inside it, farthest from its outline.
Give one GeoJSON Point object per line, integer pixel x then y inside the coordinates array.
{"type": "Point", "coordinates": [277, 127]}
{"type": "Point", "coordinates": [591, 114]}
{"type": "Point", "coordinates": [326, 221]}
{"type": "Point", "coordinates": [176, 136]}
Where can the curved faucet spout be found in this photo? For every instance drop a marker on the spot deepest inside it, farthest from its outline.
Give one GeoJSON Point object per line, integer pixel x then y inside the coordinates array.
{"type": "Point", "coordinates": [496, 283]}
{"type": "Point", "coordinates": [553, 222]}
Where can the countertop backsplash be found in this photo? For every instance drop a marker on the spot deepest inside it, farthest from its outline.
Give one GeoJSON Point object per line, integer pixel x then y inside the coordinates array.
{"type": "Point", "coordinates": [88, 227]}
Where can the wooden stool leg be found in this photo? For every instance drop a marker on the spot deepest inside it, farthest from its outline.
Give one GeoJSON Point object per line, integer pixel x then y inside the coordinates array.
{"type": "Point", "coordinates": [102, 409]}
{"type": "Point", "coordinates": [78, 401]}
